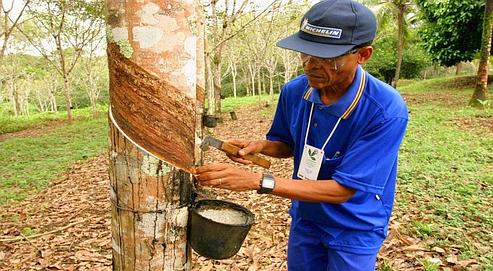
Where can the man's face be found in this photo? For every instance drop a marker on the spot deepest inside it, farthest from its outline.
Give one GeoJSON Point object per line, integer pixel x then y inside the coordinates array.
{"type": "Point", "coordinates": [329, 72]}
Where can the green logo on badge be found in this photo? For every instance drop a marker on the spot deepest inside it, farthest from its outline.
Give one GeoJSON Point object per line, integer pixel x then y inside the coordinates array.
{"type": "Point", "coordinates": [312, 154]}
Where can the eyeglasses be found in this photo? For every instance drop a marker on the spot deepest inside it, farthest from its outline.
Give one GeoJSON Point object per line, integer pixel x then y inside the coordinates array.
{"type": "Point", "coordinates": [335, 61]}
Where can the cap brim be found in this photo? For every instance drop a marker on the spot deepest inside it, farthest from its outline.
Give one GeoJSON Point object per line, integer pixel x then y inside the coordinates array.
{"type": "Point", "coordinates": [295, 43]}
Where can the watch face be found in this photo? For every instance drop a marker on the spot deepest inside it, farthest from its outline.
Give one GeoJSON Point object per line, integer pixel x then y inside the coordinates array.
{"type": "Point", "coordinates": [268, 183]}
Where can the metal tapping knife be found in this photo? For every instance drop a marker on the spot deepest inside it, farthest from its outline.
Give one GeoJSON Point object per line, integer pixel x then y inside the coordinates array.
{"type": "Point", "coordinates": [233, 150]}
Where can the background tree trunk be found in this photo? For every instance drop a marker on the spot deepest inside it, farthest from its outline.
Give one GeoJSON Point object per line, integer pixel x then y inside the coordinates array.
{"type": "Point", "coordinates": [234, 73]}
{"type": "Point", "coordinates": [68, 99]}
{"type": "Point", "coordinates": [153, 94]}
{"type": "Point", "coordinates": [458, 68]}
{"type": "Point", "coordinates": [401, 9]}
{"type": "Point", "coordinates": [217, 78]}
{"type": "Point", "coordinates": [479, 94]}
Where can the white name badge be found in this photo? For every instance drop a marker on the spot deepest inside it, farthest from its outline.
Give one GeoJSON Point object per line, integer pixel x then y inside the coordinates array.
{"type": "Point", "coordinates": [310, 163]}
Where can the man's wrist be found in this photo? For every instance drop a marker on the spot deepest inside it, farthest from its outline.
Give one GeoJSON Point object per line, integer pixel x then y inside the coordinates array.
{"type": "Point", "coordinates": [257, 181]}
{"type": "Point", "coordinates": [262, 144]}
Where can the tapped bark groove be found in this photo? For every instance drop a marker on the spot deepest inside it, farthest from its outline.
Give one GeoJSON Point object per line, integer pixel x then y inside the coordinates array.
{"type": "Point", "coordinates": [155, 129]}
{"type": "Point", "coordinates": [145, 107]}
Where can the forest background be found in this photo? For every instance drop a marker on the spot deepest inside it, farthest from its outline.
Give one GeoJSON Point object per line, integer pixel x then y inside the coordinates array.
{"type": "Point", "coordinates": [53, 58]}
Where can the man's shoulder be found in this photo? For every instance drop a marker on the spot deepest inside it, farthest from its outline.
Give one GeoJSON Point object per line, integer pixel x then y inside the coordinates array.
{"type": "Point", "coordinates": [296, 86]}
{"type": "Point", "coordinates": [386, 98]}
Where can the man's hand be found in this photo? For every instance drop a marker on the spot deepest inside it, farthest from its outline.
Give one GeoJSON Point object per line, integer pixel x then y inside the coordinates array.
{"type": "Point", "coordinates": [227, 177]}
{"type": "Point", "coordinates": [247, 147]}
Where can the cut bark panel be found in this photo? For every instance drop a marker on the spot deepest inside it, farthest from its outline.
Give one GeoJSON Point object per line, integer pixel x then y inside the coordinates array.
{"type": "Point", "coordinates": [150, 202]}
{"type": "Point", "coordinates": [144, 108]}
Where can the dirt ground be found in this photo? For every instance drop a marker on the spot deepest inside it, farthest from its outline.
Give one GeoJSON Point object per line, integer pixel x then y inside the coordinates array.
{"type": "Point", "coordinates": [67, 226]}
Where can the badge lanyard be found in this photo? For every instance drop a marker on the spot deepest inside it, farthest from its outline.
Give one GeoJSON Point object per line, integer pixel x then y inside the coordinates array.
{"type": "Point", "coordinates": [312, 157]}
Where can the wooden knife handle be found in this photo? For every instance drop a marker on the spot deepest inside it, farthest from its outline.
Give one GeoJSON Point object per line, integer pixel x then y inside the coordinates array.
{"type": "Point", "coordinates": [257, 160]}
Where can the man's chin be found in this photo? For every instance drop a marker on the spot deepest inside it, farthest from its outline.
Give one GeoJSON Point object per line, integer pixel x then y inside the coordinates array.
{"type": "Point", "coordinates": [315, 84]}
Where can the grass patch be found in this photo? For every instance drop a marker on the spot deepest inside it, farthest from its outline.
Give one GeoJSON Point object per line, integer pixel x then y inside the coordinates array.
{"type": "Point", "coordinates": [231, 103]}
{"type": "Point", "coordinates": [429, 265]}
{"type": "Point", "coordinates": [27, 231]}
{"type": "Point", "coordinates": [9, 124]}
{"type": "Point", "coordinates": [441, 83]}
{"type": "Point", "coordinates": [446, 173]}
{"type": "Point", "coordinates": [30, 164]}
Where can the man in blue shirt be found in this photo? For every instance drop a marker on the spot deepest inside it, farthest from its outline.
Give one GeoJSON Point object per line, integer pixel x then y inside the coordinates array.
{"type": "Point", "coordinates": [343, 128]}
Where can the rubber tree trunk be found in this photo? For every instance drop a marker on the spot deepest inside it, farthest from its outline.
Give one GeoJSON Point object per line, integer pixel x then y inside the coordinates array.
{"type": "Point", "coordinates": [152, 60]}
{"type": "Point", "coordinates": [479, 94]}
{"type": "Point", "coordinates": [201, 80]}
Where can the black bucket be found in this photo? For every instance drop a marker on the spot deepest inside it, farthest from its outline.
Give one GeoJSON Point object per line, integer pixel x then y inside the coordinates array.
{"type": "Point", "coordinates": [209, 121]}
{"type": "Point", "coordinates": [218, 228]}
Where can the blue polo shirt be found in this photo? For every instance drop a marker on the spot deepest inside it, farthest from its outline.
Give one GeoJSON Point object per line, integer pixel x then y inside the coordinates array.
{"type": "Point", "coordinates": [362, 155]}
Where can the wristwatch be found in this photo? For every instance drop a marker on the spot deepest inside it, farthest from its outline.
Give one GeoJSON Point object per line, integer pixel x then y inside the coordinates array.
{"type": "Point", "coordinates": [267, 184]}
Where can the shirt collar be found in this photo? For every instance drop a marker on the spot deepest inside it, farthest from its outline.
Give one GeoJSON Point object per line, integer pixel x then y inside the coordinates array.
{"type": "Point", "coordinates": [347, 103]}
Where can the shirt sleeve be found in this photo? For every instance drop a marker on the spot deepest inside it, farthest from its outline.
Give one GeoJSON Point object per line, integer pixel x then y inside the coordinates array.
{"type": "Point", "coordinates": [279, 131]}
{"type": "Point", "coordinates": [369, 162]}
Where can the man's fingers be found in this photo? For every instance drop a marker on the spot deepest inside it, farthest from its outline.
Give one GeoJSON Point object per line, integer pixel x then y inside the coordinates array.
{"type": "Point", "coordinates": [210, 167]}
{"type": "Point", "coordinates": [239, 160]}
{"type": "Point", "coordinates": [250, 148]}
{"type": "Point", "coordinates": [216, 182]}
{"type": "Point", "coordinates": [238, 142]}
{"type": "Point", "coordinates": [246, 146]}
{"type": "Point", "coordinates": [208, 177]}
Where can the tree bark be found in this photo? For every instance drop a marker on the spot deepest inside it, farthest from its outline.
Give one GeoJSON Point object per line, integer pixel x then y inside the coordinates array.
{"type": "Point", "coordinates": [290, 62]}
{"type": "Point", "coordinates": [15, 98]}
{"type": "Point", "coordinates": [152, 58]}
{"type": "Point", "coordinates": [234, 84]}
{"type": "Point", "coordinates": [234, 74]}
{"type": "Point", "coordinates": [400, 41]}
{"type": "Point", "coordinates": [216, 72]}
{"type": "Point", "coordinates": [251, 69]}
{"type": "Point", "coordinates": [458, 68]}
{"type": "Point", "coordinates": [201, 80]}
{"type": "Point", "coordinates": [68, 100]}
{"type": "Point", "coordinates": [8, 24]}
{"type": "Point", "coordinates": [5, 33]}
{"type": "Point", "coordinates": [210, 86]}
{"type": "Point", "coordinates": [52, 91]}
{"type": "Point", "coordinates": [479, 95]}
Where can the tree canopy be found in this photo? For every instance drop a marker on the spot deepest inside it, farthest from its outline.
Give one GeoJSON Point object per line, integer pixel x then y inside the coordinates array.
{"type": "Point", "coordinates": [451, 30]}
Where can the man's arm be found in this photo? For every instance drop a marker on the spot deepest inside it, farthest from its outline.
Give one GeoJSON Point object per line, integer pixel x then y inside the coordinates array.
{"type": "Point", "coordinates": [275, 149]}
{"type": "Point", "coordinates": [229, 177]}
{"type": "Point", "coordinates": [315, 191]}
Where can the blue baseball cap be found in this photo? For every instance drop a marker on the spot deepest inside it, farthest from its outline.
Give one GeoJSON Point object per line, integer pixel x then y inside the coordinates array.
{"type": "Point", "coordinates": [331, 28]}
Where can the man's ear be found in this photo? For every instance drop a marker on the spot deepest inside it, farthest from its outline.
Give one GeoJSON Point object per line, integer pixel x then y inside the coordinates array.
{"type": "Point", "coordinates": [365, 54]}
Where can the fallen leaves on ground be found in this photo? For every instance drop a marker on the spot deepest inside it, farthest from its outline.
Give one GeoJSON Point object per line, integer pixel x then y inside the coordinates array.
{"type": "Point", "coordinates": [67, 226]}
